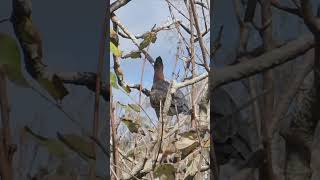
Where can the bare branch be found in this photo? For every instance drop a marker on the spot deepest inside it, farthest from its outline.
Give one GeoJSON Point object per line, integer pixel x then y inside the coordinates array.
{"type": "Point", "coordinates": [310, 20]}
{"type": "Point", "coordinates": [189, 82]}
{"type": "Point", "coordinates": [157, 29]}
{"type": "Point", "coordinates": [268, 60]}
{"type": "Point", "coordinates": [143, 90]}
{"type": "Point", "coordinates": [294, 11]}
{"type": "Point", "coordinates": [118, 4]}
{"type": "Point", "coordinates": [201, 42]}
{"type": "Point", "coordinates": [87, 79]}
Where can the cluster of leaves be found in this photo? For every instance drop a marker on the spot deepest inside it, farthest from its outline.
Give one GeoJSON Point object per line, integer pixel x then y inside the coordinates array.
{"type": "Point", "coordinates": [181, 154]}
{"type": "Point", "coordinates": [148, 38]}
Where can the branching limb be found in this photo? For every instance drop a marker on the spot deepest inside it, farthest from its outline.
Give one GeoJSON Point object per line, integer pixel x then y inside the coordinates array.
{"type": "Point", "coordinates": [201, 42]}
{"type": "Point", "coordinates": [157, 29]}
{"type": "Point", "coordinates": [85, 79]}
{"type": "Point", "coordinates": [268, 60]}
{"type": "Point", "coordinates": [135, 41]}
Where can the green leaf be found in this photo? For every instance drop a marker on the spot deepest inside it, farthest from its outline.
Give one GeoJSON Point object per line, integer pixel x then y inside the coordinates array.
{"type": "Point", "coordinates": [133, 55]}
{"type": "Point", "coordinates": [10, 58]}
{"type": "Point", "coordinates": [113, 80]}
{"type": "Point", "coordinates": [127, 89]}
{"type": "Point", "coordinates": [54, 146]}
{"type": "Point", "coordinates": [149, 38]}
{"type": "Point", "coordinates": [115, 50]}
{"type": "Point", "coordinates": [124, 106]}
{"type": "Point", "coordinates": [132, 126]}
{"type": "Point", "coordinates": [54, 86]}
{"type": "Point", "coordinates": [135, 107]}
{"type": "Point", "coordinates": [78, 144]}
{"type": "Point", "coordinates": [165, 172]}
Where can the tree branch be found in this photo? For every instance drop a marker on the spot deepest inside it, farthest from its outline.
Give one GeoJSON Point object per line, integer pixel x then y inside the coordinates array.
{"type": "Point", "coordinates": [312, 22]}
{"type": "Point", "coordinates": [135, 41]}
{"type": "Point", "coordinates": [118, 4]}
{"type": "Point", "coordinates": [87, 79]}
{"type": "Point", "coordinates": [189, 82]}
{"type": "Point", "coordinates": [294, 11]}
{"type": "Point", "coordinates": [201, 42]}
{"type": "Point", "coordinates": [157, 29]}
{"type": "Point", "coordinates": [266, 61]}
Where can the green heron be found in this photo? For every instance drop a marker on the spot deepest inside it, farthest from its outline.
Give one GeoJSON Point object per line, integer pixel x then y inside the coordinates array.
{"type": "Point", "coordinates": [159, 91]}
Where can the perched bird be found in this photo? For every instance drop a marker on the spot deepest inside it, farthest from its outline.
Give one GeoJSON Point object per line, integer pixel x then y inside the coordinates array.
{"type": "Point", "coordinates": [159, 91]}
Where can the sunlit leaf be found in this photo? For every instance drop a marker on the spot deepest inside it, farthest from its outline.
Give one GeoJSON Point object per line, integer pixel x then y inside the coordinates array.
{"type": "Point", "coordinates": [127, 89]}
{"type": "Point", "coordinates": [133, 55]}
{"type": "Point", "coordinates": [115, 50]}
{"type": "Point", "coordinates": [10, 58]}
{"type": "Point", "coordinates": [124, 106]}
{"type": "Point", "coordinates": [113, 80]}
{"type": "Point", "coordinates": [131, 125]}
{"type": "Point", "coordinates": [135, 107]}
{"type": "Point", "coordinates": [149, 38]}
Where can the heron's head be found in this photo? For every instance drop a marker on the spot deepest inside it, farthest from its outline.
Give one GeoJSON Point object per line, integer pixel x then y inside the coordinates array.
{"type": "Point", "coordinates": [158, 70]}
{"type": "Point", "coordinates": [158, 63]}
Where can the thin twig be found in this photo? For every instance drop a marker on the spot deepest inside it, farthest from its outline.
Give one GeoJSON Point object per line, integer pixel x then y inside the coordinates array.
{"type": "Point", "coordinates": [201, 42]}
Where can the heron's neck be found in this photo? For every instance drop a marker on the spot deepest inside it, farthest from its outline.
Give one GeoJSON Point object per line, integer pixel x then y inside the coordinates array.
{"type": "Point", "coordinates": [158, 75]}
